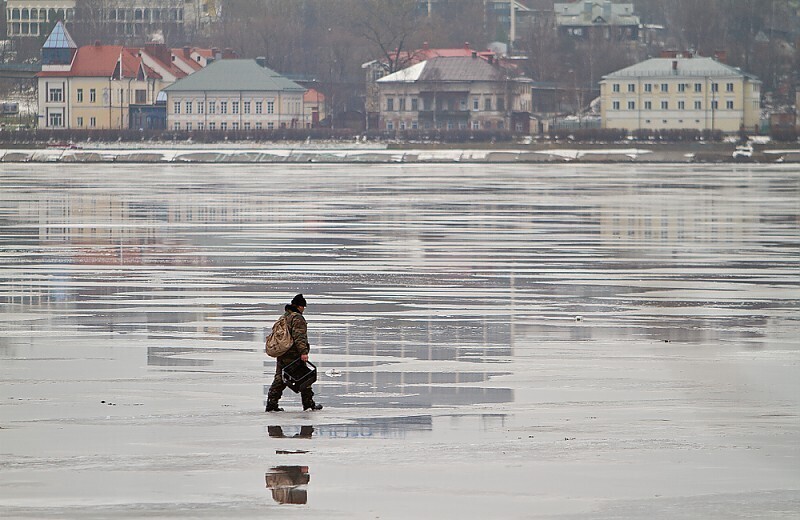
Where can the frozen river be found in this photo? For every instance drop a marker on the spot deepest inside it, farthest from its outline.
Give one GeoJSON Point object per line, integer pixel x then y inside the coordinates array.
{"type": "Point", "coordinates": [493, 341]}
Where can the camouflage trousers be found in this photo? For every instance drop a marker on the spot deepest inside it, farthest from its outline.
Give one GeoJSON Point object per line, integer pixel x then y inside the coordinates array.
{"type": "Point", "coordinates": [278, 386]}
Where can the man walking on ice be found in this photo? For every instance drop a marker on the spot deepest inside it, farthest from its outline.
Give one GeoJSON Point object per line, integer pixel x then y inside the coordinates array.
{"type": "Point", "coordinates": [299, 349]}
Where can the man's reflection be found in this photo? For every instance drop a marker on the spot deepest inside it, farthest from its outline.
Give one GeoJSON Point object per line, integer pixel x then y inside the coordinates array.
{"type": "Point", "coordinates": [288, 484]}
{"type": "Point", "coordinates": [276, 431]}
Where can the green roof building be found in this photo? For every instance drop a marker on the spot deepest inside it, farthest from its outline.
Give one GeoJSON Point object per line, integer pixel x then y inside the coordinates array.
{"type": "Point", "coordinates": [233, 95]}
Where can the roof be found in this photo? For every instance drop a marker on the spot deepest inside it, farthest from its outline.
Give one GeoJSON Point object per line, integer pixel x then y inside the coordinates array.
{"type": "Point", "coordinates": [59, 38]}
{"type": "Point", "coordinates": [591, 12]}
{"type": "Point", "coordinates": [313, 95]}
{"type": "Point", "coordinates": [100, 61]}
{"type": "Point", "coordinates": [239, 75]}
{"type": "Point", "coordinates": [695, 67]}
{"type": "Point", "coordinates": [450, 69]}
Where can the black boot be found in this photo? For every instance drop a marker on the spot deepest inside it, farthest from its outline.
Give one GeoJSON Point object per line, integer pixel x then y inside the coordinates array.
{"type": "Point", "coordinates": [272, 406]}
{"type": "Point", "coordinates": [311, 405]}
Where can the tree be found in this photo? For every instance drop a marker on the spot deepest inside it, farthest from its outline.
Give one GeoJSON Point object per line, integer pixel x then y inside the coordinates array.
{"type": "Point", "coordinates": [389, 25]}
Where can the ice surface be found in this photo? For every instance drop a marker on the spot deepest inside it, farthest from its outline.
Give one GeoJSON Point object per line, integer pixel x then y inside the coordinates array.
{"type": "Point", "coordinates": [444, 298]}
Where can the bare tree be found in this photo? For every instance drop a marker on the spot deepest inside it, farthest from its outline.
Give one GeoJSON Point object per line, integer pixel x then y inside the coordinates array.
{"type": "Point", "coordinates": [389, 25]}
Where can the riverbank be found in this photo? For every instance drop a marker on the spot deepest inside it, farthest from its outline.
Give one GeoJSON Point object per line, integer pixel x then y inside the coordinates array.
{"type": "Point", "coordinates": [324, 152]}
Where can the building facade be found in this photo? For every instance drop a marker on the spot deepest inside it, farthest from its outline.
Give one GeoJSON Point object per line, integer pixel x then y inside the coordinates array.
{"type": "Point", "coordinates": [122, 18]}
{"type": "Point", "coordinates": [94, 86]}
{"type": "Point", "coordinates": [454, 93]}
{"type": "Point", "coordinates": [232, 95]}
{"type": "Point", "coordinates": [681, 92]}
{"type": "Point", "coordinates": [588, 18]}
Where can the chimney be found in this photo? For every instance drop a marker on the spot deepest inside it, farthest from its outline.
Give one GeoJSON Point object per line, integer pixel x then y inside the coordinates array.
{"type": "Point", "coordinates": [262, 61]}
{"type": "Point", "coordinates": [674, 66]}
{"type": "Point", "coordinates": [187, 51]}
{"type": "Point", "coordinates": [466, 45]}
{"type": "Point", "coordinates": [721, 56]}
{"type": "Point", "coordinates": [425, 45]}
{"type": "Point", "coordinates": [491, 59]}
{"type": "Point", "coordinates": [474, 54]}
{"type": "Point", "coordinates": [97, 43]}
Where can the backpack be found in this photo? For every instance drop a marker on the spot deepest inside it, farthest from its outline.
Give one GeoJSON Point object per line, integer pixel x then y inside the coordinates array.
{"type": "Point", "coordinates": [280, 339]}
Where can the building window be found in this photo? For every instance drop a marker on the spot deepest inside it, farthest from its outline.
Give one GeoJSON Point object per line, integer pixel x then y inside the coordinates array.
{"type": "Point", "coordinates": [487, 104]}
{"type": "Point", "coordinates": [501, 125]}
{"type": "Point", "coordinates": [223, 107]}
{"type": "Point", "coordinates": [234, 126]}
{"type": "Point", "coordinates": [475, 104]}
{"type": "Point", "coordinates": [200, 126]}
{"type": "Point", "coordinates": [648, 105]}
{"type": "Point", "coordinates": [56, 95]}
{"type": "Point", "coordinates": [665, 105]}
{"type": "Point", "coordinates": [631, 87]}
{"type": "Point", "coordinates": [402, 103]}
{"type": "Point", "coordinates": [402, 125]}
{"type": "Point", "coordinates": [270, 126]}
{"type": "Point", "coordinates": [476, 125]}
{"type": "Point", "coordinates": [56, 119]}
{"type": "Point", "coordinates": [140, 95]}
{"type": "Point", "coordinates": [246, 107]}
{"type": "Point", "coordinates": [188, 107]}
{"type": "Point", "coordinates": [212, 126]}
{"type": "Point", "coordinates": [615, 87]}
{"type": "Point", "coordinates": [258, 126]}
{"type": "Point", "coordinates": [270, 107]}
{"type": "Point", "coordinates": [729, 105]}
{"type": "Point", "coordinates": [247, 126]}
{"type": "Point", "coordinates": [681, 105]}
{"type": "Point", "coordinates": [389, 125]}
{"type": "Point", "coordinates": [92, 122]}
{"type": "Point", "coordinates": [714, 104]}
{"type": "Point", "coordinates": [201, 107]}
{"type": "Point", "coordinates": [715, 87]}
{"type": "Point", "coordinates": [92, 95]}
{"type": "Point", "coordinates": [414, 104]}
{"type": "Point", "coordinates": [212, 107]}
{"type": "Point", "coordinates": [176, 126]}
{"type": "Point", "coordinates": [681, 87]}
{"type": "Point", "coordinates": [615, 105]}
{"type": "Point", "coordinates": [223, 126]}
{"type": "Point", "coordinates": [648, 87]}
{"type": "Point", "coordinates": [176, 107]}
{"type": "Point", "coordinates": [390, 104]}
{"type": "Point", "coordinates": [259, 105]}
{"type": "Point", "coordinates": [501, 104]}
{"type": "Point", "coordinates": [450, 125]}
{"type": "Point", "coordinates": [188, 127]}
{"type": "Point", "coordinates": [414, 125]}
{"type": "Point", "coordinates": [698, 87]}
{"type": "Point", "coordinates": [80, 95]}
{"type": "Point", "coordinates": [665, 87]}
{"type": "Point", "coordinates": [729, 87]}
{"type": "Point", "coordinates": [698, 105]}
{"type": "Point", "coordinates": [80, 122]}
{"type": "Point", "coordinates": [235, 107]}
{"type": "Point", "coordinates": [631, 105]}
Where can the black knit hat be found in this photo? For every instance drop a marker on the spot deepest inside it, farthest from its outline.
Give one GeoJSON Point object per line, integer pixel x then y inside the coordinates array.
{"type": "Point", "coordinates": [299, 301]}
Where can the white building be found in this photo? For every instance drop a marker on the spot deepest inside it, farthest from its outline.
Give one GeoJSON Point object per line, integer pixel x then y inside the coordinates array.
{"type": "Point", "coordinates": [682, 92]}
{"type": "Point", "coordinates": [231, 95]}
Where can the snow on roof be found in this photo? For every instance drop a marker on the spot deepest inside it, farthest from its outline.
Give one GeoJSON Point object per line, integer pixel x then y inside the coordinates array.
{"type": "Point", "coordinates": [696, 66]}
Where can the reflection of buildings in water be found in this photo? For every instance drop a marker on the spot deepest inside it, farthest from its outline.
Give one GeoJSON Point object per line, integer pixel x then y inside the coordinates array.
{"type": "Point", "coordinates": [172, 357]}
{"type": "Point", "coordinates": [277, 432]}
{"type": "Point", "coordinates": [287, 484]}
{"type": "Point", "coordinates": [667, 214]}
{"type": "Point", "coordinates": [378, 427]}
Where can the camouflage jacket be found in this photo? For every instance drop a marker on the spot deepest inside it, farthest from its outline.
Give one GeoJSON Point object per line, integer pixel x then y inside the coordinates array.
{"type": "Point", "coordinates": [299, 332]}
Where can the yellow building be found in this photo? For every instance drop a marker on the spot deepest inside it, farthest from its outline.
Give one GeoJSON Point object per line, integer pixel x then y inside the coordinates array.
{"type": "Point", "coordinates": [683, 92]}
